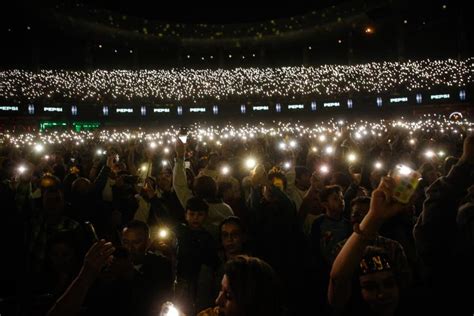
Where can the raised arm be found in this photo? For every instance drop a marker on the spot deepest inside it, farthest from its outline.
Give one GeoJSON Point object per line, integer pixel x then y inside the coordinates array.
{"type": "Point", "coordinates": [69, 304]}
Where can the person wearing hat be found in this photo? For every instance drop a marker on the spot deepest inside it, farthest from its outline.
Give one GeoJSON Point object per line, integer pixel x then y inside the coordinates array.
{"type": "Point", "coordinates": [362, 279]}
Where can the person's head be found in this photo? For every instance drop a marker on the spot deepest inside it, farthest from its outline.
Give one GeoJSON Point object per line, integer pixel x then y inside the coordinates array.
{"type": "Point", "coordinates": [81, 187]}
{"type": "Point", "coordinates": [165, 180]}
{"type": "Point", "coordinates": [213, 161]}
{"type": "Point", "coordinates": [205, 187]}
{"type": "Point", "coordinates": [448, 163]}
{"type": "Point", "coordinates": [341, 179]}
{"type": "Point", "coordinates": [378, 284]}
{"type": "Point", "coordinates": [149, 188]}
{"type": "Point", "coordinates": [136, 239]}
{"type": "Point", "coordinates": [277, 178]}
{"type": "Point", "coordinates": [196, 212]}
{"type": "Point", "coordinates": [303, 177]}
{"type": "Point", "coordinates": [62, 253]}
{"type": "Point", "coordinates": [53, 201]}
{"type": "Point", "coordinates": [232, 235]}
{"type": "Point", "coordinates": [225, 191]}
{"type": "Point", "coordinates": [359, 208]}
{"type": "Point", "coordinates": [333, 200]}
{"type": "Point", "coordinates": [429, 173]}
{"type": "Point", "coordinates": [316, 181]}
{"type": "Point", "coordinates": [249, 288]}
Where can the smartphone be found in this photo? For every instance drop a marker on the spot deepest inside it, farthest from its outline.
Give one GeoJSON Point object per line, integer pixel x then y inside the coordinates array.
{"type": "Point", "coordinates": [183, 135]}
{"type": "Point", "coordinates": [90, 230]}
{"type": "Point", "coordinates": [187, 164]}
{"type": "Point", "coordinates": [406, 180]}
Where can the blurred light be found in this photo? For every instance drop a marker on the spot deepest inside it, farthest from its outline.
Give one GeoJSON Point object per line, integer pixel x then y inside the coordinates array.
{"type": "Point", "coordinates": [287, 165]}
{"type": "Point", "coordinates": [225, 170]}
{"type": "Point", "coordinates": [378, 165]}
{"type": "Point", "coordinates": [153, 145]}
{"type": "Point", "coordinates": [163, 233]}
{"type": "Point", "coordinates": [250, 163]}
{"type": "Point", "coordinates": [39, 148]}
{"type": "Point", "coordinates": [164, 163]}
{"type": "Point", "coordinates": [404, 170]}
{"type": "Point", "coordinates": [329, 150]}
{"type": "Point", "coordinates": [352, 157]}
{"type": "Point", "coordinates": [21, 169]}
{"type": "Point", "coordinates": [324, 169]}
{"type": "Point", "coordinates": [293, 144]}
{"type": "Point", "coordinates": [441, 153]}
{"type": "Point", "coordinates": [429, 153]}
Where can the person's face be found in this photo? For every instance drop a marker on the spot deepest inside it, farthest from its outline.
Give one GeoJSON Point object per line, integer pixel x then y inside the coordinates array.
{"type": "Point", "coordinates": [62, 257]}
{"type": "Point", "coordinates": [164, 181]}
{"type": "Point", "coordinates": [136, 242]}
{"type": "Point", "coordinates": [232, 239]}
{"type": "Point", "coordinates": [226, 300]}
{"type": "Point", "coordinates": [358, 212]}
{"type": "Point", "coordinates": [195, 219]}
{"type": "Point", "coordinates": [53, 203]}
{"type": "Point", "coordinates": [380, 291]}
{"type": "Point", "coordinates": [316, 181]}
{"type": "Point", "coordinates": [335, 203]}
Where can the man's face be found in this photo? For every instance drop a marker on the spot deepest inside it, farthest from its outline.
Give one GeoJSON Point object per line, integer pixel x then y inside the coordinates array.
{"type": "Point", "coordinates": [53, 203]}
{"type": "Point", "coordinates": [165, 181]}
{"type": "Point", "coordinates": [226, 300]}
{"type": "Point", "coordinates": [380, 291]}
{"type": "Point", "coordinates": [195, 219]}
{"type": "Point", "coordinates": [335, 203]}
{"type": "Point", "coordinates": [232, 239]}
{"type": "Point", "coordinates": [136, 242]}
{"type": "Point", "coordinates": [358, 212]}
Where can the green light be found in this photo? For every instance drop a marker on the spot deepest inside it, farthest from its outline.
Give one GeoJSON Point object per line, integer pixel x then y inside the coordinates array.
{"type": "Point", "coordinates": [85, 126]}
{"type": "Point", "coordinates": [44, 125]}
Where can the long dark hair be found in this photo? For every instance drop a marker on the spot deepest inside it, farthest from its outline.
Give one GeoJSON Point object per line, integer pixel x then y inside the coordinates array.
{"type": "Point", "coordinates": [254, 285]}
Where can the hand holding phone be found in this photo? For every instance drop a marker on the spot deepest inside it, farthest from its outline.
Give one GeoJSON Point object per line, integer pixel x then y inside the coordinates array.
{"type": "Point", "coordinates": [406, 182]}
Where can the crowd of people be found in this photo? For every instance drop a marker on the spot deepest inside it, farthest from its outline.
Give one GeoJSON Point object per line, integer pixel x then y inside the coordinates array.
{"type": "Point", "coordinates": [257, 220]}
{"type": "Point", "coordinates": [215, 86]}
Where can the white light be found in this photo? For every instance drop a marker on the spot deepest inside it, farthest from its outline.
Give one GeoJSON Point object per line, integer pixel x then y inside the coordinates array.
{"type": "Point", "coordinates": [100, 152]}
{"type": "Point", "coordinates": [166, 150]}
{"type": "Point", "coordinates": [22, 169]}
{"type": "Point", "coordinates": [153, 145]}
{"type": "Point", "coordinates": [287, 165]}
{"type": "Point", "coordinates": [324, 169]}
{"type": "Point", "coordinates": [163, 233]}
{"type": "Point", "coordinates": [225, 170]}
{"type": "Point", "coordinates": [46, 157]}
{"type": "Point", "coordinates": [39, 148]}
{"type": "Point", "coordinates": [441, 153]}
{"type": "Point", "coordinates": [164, 163]}
{"type": "Point", "coordinates": [329, 150]}
{"type": "Point", "coordinates": [352, 157]}
{"type": "Point", "coordinates": [322, 138]}
{"type": "Point", "coordinates": [143, 168]}
{"type": "Point", "coordinates": [250, 163]}
{"type": "Point", "coordinates": [429, 154]}
{"type": "Point", "coordinates": [172, 311]}
{"type": "Point", "coordinates": [412, 141]}
{"type": "Point", "coordinates": [293, 144]}
{"type": "Point", "coordinates": [314, 149]}
{"type": "Point", "coordinates": [404, 170]}
{"type": "Point", "coordinates": [378, 165]}
{"type": "Point", "coordinates": [282, 145]}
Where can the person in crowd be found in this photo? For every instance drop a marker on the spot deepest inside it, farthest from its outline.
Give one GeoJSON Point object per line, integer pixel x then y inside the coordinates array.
{"type": "Point", "coordinates": [168, 196]}
{"type": "Point", "coordinates": [205, 187]}
{"type": "Point", "coordinates": [150, 208]}
{"type": "Point", "coordinates": [249, 287]}
{"type": "Point", "coordinates": [394, 251]}
{"type": "Point", "coordinates": [363, 279]}
{"type": "Point", "coordinates": [443, 235]}
{"type": "Point", "coordinates": [197, 250]}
